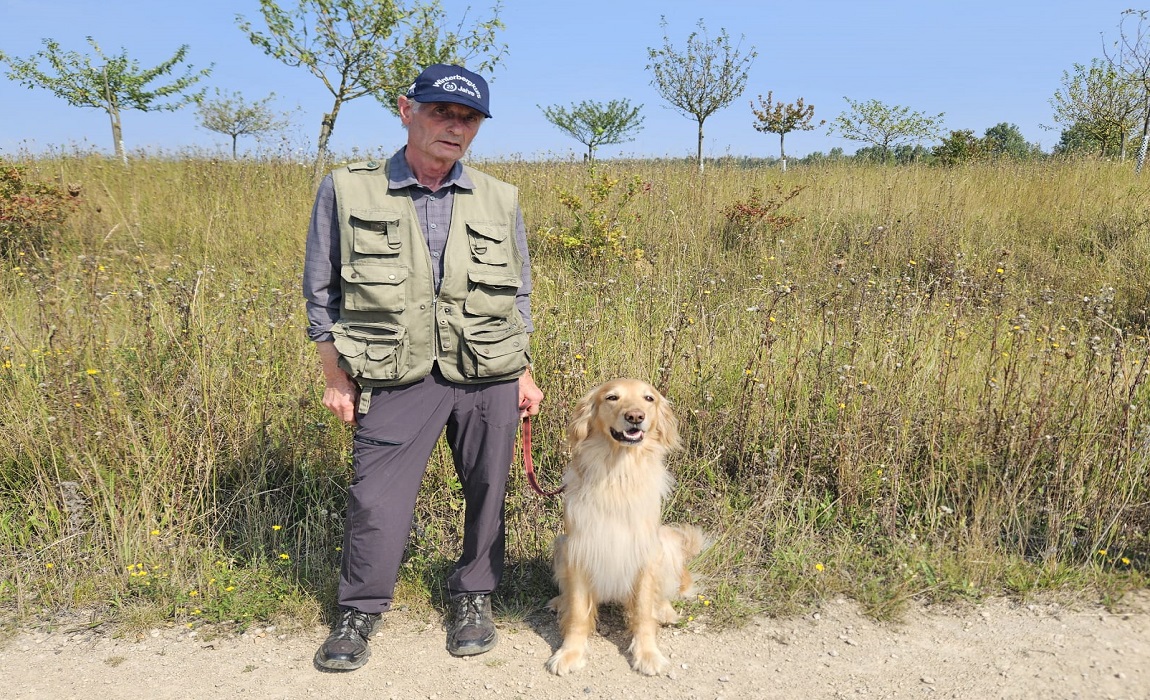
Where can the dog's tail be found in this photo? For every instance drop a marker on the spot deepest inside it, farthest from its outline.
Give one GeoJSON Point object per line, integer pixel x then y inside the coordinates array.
{"type": "Point", "coordinates": [681, 544]}
{"type": "Point", "coordinates": [693, 540]}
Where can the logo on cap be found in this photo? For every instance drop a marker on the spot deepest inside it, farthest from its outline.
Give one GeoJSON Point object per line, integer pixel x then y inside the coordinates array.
{"type": "Point", "coordinates": [448, 84]}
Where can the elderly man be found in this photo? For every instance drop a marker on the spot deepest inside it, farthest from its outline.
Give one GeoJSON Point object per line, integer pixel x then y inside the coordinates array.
{"type": "Point", "coordinates": [417, 281]}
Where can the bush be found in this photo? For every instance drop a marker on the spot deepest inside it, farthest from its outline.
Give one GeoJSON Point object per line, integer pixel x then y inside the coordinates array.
{"type": "Point", "coordinates": [31, 212]}
{"type": "Point", "coordinates": [744, 217]}
{"type": "Point", "coordinates": [601, 221]}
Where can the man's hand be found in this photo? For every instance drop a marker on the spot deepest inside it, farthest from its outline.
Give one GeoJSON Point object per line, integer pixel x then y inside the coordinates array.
{"type": "Point", "coordinates": [530, 396]}
{"type": "Point", "coordinates": [340, 392]}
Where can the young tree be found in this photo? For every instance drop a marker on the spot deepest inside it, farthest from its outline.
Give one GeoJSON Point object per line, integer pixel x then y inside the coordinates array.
{"type": "Point", "coordinates": [370, 47]}
{"type": "Point", "coordinates": [702, 78]}
{"type": "Point", "coordinates": [1005, 140]}
{"type": "Point", "coordinates": [113, 83]}
{"type": "Point", "coordinates": [1131, 59]}
{"type": "Point", "coordinates": [234, 116]}
{"type": "Point", "coordinates": [1098, 100]}
{"type": "Point", "coordinates": [885, 127]}
{"type": "Point", "coordinates": [1079, 139]}
{"type": "Point", "coordinates": [782, 118]}
{"type": "Point", "coordinates": [595, 124]}
{"type": "Point", "coordinates": [959, 147]}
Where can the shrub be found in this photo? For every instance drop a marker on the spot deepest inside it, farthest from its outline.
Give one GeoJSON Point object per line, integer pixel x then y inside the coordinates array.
{"type": "Point", "coordinates": [744, 217]}
{"type": "Point", "coordinates": [31, 212]}
{"type": "Point", "coordinates": [601, 217]}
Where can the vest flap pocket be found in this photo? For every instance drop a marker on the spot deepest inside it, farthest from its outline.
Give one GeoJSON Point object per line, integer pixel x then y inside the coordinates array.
{"type": "Point", "coordinates": [490, 293]}
{"type": "Point", "coordinates": [492, 352]}
{"type": "Point", "coordinates": [375, 231]}
{"type": "Point", "coordinates": [373, 286]}
{"type": "Point", "coordinates": [503, 347]}
{"type": "Point", "coordinates": [492, 278]}
{"type": "Point", "coordinates": [371, 351]}
{"type": "Point", "coordinates": [488, 243]}
{"type": "Point", "coordinates": [369, 272]}
{"type": "Point", "coordinates": [492, 232]}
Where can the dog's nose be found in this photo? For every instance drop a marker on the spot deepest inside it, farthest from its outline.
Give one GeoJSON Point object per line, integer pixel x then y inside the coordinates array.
{"type": "Point", "coordinates": [635, 417]}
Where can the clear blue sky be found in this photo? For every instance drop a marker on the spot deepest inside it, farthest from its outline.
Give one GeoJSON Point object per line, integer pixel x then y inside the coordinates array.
{"type": "Point", "coordinates": [981, 62]}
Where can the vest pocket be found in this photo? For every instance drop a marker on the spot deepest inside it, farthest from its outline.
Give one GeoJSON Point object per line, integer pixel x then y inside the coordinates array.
{"type": "Point", "coordinates": [490, 293]}
{"type": "Point", "coordinates": [487, 243]}
{"type": "Point", "coordinates": [375, 232]}
{"type": "Point", "coordinates": [371, 351]}
{"type": "Point", "coordinates": [374, 286]}
{"type": "Point", "coordinates": [492, 352]}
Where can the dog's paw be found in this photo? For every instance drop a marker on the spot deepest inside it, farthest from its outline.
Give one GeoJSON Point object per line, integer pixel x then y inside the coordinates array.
{"type": "Point", "coordinates": [666, 614]}
{"type": "Point", "coordinates": [566, 660]}
{"type": "Point", "coordinates": [553, 604]}
{"type": "Point", "coordinates": [650, 662]}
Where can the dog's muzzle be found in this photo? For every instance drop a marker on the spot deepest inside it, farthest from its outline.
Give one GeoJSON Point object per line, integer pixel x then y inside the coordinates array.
{"type": "Point", "coordinates": [631, 436]}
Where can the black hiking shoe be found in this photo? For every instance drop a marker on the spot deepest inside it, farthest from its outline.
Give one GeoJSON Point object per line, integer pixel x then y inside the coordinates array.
{"type": "Point", "coordinates": [346, 647]}
{"type": "Point", "coordinates": [472, 629]}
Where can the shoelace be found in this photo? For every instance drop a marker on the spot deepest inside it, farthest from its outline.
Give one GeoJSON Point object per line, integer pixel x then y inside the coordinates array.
{"type": "Point", "coordinates": [470, 608]}
{"type": "Point", "coordinates": [357, 621]}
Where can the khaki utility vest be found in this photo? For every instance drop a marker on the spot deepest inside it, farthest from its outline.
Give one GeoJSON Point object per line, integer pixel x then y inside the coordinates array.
{"type": "Point", "coordinates": [393, 327]}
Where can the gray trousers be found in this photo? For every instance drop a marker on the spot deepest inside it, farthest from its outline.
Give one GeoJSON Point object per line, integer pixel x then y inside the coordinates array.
{"type": "Point", "coordinates": [391, 449]}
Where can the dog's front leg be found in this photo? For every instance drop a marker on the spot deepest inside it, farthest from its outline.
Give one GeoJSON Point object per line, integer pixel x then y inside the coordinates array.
{"type": "Point", "coordinates": [577, 612]}
{"type": "Point", "coordinates": [645, 655]}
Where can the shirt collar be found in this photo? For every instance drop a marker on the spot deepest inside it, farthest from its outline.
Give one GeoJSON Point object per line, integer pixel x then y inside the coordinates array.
{"type": "Point", "coordinates": [399, 174]}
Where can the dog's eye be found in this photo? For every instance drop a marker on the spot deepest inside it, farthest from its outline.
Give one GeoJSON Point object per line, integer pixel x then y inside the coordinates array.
{"type": "Point", "coordinates": [611, 397]}
{"type": "Point", "coordinates": [649, 397]}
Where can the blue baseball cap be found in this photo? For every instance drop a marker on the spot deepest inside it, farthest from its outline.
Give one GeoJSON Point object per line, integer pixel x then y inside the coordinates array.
{"type": "Point", "coordinates": [444, 83]}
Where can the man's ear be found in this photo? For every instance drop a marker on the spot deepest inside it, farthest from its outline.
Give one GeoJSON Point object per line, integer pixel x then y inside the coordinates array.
{"type": "Point", "coordinates": [404, 109]}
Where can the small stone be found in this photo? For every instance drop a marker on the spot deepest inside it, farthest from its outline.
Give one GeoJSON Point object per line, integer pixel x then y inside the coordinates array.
{"type": "Point", "coordinates": [928, 680]}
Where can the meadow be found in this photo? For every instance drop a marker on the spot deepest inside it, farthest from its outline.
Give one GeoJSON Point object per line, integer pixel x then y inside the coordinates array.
{"type": "Point", "coordinates": [894, 383]}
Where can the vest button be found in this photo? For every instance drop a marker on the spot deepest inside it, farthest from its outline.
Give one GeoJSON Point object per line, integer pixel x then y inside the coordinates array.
{"type": "Point", "coordinates": [391, 277]}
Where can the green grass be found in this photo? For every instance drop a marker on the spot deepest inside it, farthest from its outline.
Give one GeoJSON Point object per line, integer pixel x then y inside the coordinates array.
{"type": "Point", "coordinates": [933, 386]}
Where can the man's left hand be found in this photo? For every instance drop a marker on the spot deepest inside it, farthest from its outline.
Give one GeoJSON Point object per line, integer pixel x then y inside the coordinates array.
{"type": "Point", "coordinates": [530, 396]}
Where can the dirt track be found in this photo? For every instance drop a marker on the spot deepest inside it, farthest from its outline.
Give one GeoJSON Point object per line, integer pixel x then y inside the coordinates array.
{"type": "Point", "coordinates": [1000, 649]}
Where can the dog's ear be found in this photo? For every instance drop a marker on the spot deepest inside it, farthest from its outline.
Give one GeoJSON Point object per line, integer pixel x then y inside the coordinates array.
{"type": "Point", "coordinates": [580, 425]}
{"type": "Point", "coordinates": [667, 425]}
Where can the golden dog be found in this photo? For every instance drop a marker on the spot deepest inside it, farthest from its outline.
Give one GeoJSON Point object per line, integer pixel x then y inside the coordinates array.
{"type": "Point", "coordinates": [615, 547]}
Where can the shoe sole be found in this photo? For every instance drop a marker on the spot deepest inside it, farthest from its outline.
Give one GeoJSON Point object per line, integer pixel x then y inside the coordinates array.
{"type": "Point", "coordinates": [472, 649]}
{"type": "Point", "coordinates": [340, 664]}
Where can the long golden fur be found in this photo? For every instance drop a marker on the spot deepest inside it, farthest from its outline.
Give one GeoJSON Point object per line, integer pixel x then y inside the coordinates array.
{"type": "Point", "coordinates": [615, 547]}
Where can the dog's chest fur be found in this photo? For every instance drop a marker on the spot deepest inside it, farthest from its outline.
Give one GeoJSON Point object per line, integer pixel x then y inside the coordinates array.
{"type": "Point", "coordinates": [612, 518]}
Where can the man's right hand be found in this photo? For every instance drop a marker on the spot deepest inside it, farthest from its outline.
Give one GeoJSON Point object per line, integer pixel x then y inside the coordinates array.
{"type": "Point", "coordinates": [340, 392]}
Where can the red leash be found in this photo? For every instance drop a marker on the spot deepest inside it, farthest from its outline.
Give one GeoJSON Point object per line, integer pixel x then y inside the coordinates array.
{"type": "Point", "coordinates": [529, 464]}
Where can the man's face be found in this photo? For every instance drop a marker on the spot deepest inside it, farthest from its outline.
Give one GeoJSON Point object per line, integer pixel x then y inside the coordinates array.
{"type": "Point", "coordinates": [439, 131]}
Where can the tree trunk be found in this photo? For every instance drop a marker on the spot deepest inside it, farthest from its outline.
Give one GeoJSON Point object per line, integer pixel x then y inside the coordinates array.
{"type": "Point", "coordinates": [1141, 159]}
{"type": "Point", "coordinates": [782, 151]}
{"type": "Point", "coordinates": [699, 150]}
{"type": "Point", "coordinates": [234, 139]}
{"type": "Point", "coordinates": [117, 133]}
{"type": "Point", "coordinates": [113, 110]}
{"type": "Point", "coordinates": [327, 126]}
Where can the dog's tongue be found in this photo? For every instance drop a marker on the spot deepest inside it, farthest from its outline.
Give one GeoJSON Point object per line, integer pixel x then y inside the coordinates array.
{"type": "Point", "coordinates": [634, 434]}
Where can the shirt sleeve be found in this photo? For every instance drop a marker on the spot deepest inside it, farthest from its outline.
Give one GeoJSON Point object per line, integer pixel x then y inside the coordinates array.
{"type": "Point", "coordinates": [523, 296]}
{"type": "Point", "coordinates": [321, 282]}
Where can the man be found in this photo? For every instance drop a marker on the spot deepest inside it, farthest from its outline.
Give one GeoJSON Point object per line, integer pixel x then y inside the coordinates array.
{"type": "Point", "coordinates": [417, 281]}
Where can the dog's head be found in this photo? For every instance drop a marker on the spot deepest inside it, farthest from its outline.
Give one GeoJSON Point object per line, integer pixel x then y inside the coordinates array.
{"type": "Point", "coordinates": [628, 412]}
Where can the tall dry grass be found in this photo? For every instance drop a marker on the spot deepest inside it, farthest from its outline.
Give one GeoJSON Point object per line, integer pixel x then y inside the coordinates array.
{"type": "Point", "coordinates": [932, 385]}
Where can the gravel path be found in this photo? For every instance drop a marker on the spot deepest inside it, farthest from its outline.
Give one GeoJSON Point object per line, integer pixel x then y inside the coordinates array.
{"type": "Point", "coordinates": [999, 649]}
